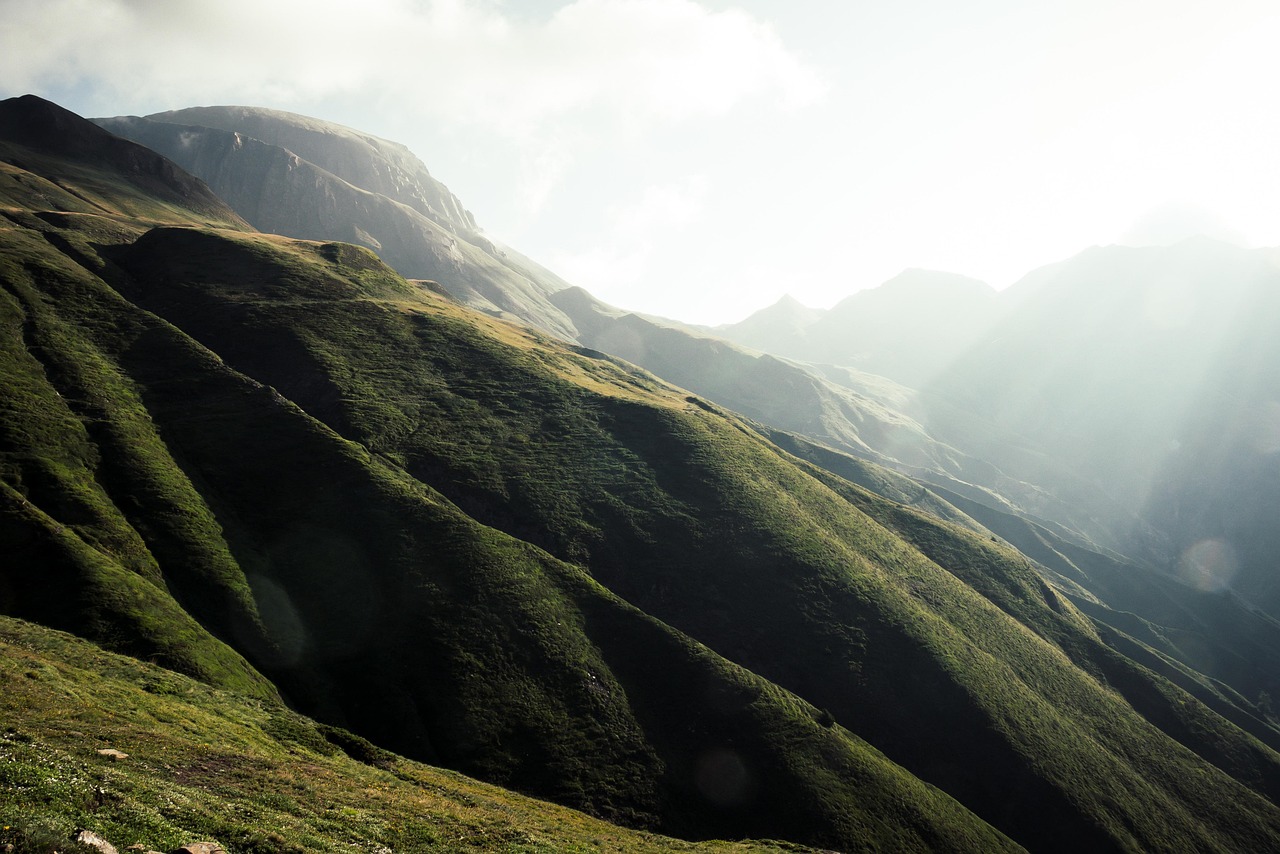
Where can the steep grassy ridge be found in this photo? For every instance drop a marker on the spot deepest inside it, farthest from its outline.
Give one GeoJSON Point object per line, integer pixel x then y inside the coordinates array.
{"type": "Point", "coordinates": [183, 487]}
{"type": "Point", "coordinates": [944, 653]}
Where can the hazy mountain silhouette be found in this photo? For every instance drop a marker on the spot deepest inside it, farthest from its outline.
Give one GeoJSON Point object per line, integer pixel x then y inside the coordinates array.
{"type": "Point", "coordinates": [907, 329]}
{"type": "Point", "coordinates": [781, 328]}
{"type": "Point", "coordinates": [1149, 372]}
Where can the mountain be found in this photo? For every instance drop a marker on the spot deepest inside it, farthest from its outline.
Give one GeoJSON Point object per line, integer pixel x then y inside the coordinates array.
{"type": "Point", "coordinates": [845, 409]}
{"type": "Point", "coordinates": [278, 466]}
{"type": "Point", "coordinates": [318, 198]}
{"type": "Point", "coordinates": [301, 177]}
{"type": "Point", "coordinates": [908, 329]}
{"type": "Point", "coordinates": [200, 763]}
{"type": "Point", "coordinates": [1147, 373]}
{"type": "Point", "coordinates": [780, 328]}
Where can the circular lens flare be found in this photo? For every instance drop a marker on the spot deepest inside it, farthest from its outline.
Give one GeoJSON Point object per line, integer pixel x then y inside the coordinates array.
{"type": "Point", "coordinates": [723, 777]}
{"type": "Point", "coordinates": [1209, 565]}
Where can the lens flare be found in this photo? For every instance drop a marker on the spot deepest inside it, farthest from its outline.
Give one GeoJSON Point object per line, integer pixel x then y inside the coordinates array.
{"type": "Point", "coordinates": [1209, 565]}
{"type": "Point", "coordinates": [281, 619]}
{"type": "Point", "coordinates": [723, 777]}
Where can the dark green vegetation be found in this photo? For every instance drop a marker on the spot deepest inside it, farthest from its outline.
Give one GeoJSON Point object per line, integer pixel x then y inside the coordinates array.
{"type": "Point", "coordinates": [206, 764]}
{"type": "Point", "coordinates": [276, 465]}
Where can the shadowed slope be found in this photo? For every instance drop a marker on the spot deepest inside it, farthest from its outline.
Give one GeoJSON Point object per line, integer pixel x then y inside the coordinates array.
{"type": "Point", "coordinates": [542, 565]}
{"type": "Point", "coordinates": [952, 661]}
{"type": "Point", "coordinates": [209, 764]}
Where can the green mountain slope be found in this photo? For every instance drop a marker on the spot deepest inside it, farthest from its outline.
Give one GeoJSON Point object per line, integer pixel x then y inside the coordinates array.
{"type": "Point", "coordinates": [489, 549]}
{"type": "Point", "coordinates": [697, 521]}
{"type": "Point", "coordinates": [213, 765]}
{"type": "Point", "coordinates": [526, 671]}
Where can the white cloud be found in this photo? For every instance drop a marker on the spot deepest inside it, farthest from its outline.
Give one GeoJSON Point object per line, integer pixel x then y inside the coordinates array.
{"type": "Point", "coordinates": [613, 267]}
{"type": "Point", "coordinates": [627, 60]}
{"type": "Point", "coordinates": [541, 92]}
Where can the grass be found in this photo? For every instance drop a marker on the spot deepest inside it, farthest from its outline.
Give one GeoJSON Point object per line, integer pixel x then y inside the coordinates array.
{"type": "Point", "coordinates": [206, 764]}
{"type": "Point", "coordinates": [689, 515]}
{"type": "Point", "coordinates": [276, 466]}
{"type": "Point", "coordinates": [517, 686]}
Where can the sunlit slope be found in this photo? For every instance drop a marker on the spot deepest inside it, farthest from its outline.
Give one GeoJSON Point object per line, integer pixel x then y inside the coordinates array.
{"type": "Point", "coordinates": [1210, 643]}
{"type": "Point", "coordinates": [943, 651]}
{"type": "Point", "coordinates": [206, 764]}
{"type": "Point", "coordinates": [377, 604]}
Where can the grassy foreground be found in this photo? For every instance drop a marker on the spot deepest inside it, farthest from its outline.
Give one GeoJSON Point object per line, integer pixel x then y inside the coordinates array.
{"type": "Point", "coordinates": [205, 764]}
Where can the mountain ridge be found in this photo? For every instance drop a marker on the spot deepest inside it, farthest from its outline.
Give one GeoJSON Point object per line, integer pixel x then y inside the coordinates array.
{"type": "Point", "coordinates": [333, 198]}
{"type": "Point", "coordinates": [554, 570]}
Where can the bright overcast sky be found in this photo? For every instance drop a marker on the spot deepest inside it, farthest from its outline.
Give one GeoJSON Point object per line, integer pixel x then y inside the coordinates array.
{"type": "Point", "coordinates": [700, 159]}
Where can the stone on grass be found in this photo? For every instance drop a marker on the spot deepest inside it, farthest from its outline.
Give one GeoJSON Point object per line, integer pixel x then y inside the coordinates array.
{"type": "Point", "coordinates": [93, 840]}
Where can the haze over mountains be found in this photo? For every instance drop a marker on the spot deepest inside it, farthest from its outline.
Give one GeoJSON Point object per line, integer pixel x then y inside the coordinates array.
{"type": "Point", "coordinates": [908, 329]}
{"type": "Point", "coordinates": [272, 463]}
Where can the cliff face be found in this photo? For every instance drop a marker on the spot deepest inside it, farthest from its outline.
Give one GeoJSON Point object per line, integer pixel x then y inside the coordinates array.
{"type": "Point", "coordinates": [377, 165]}
{"type": "Point", "coordinates": [360, 190]}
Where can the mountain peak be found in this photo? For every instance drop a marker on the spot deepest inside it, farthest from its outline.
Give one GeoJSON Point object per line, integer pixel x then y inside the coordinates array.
{"type": "Point", "coordinates": [363, 160]}
{"type": "Point", "coordinates": [31, 121]}
{"type": "Point", "coordinates": [46, 130]}
{"type": "Point", "coordinates": [920, 282]}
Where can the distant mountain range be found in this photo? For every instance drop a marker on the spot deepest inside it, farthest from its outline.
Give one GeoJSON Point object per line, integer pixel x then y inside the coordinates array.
{"type": "Point", "coordinates": [908, 329]}
{"type": "Point", "coordinates": [274, 464]}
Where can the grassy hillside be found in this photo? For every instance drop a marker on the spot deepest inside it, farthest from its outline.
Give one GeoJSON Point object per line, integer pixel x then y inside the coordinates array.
{"type": "Point", "coordinates": [689, 515]}
{"type": "Point", "coordinates": [207, 764]}
{"type": "Point", "coordinates": [276, 465]}
{"type": "Point", "coordinates": [515, 684]}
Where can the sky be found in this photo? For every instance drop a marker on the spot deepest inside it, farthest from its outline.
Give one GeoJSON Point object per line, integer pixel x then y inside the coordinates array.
{"type": "Point", "coordinates": [699, 160]}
